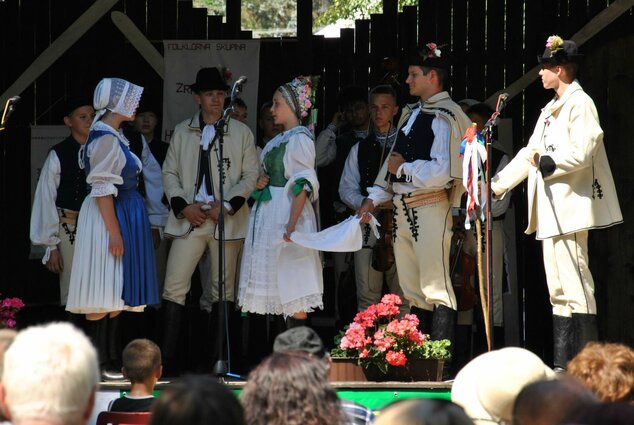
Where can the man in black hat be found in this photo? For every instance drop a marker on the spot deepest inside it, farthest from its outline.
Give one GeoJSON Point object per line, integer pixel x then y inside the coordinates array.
{"type": "Point", "coordinates": [570, 190]}
{"type": "Point", "coordinates": [192, 181]}
{"type": "Point", "coordinates": [418, 177]}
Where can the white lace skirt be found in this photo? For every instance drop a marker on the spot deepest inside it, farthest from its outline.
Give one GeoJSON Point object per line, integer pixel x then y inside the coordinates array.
{"type": "Point", "coordinates": [278, 277]}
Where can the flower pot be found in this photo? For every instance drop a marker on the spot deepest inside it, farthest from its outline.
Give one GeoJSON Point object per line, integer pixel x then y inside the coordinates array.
{"type": "Point", "coordinates": [348, 369]}
{"type": "Point", "coordinates": [414, 370]}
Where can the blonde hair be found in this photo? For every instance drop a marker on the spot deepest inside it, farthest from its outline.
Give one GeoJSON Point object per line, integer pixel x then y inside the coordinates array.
{"type": "Point", "coordinates": [51, 372]}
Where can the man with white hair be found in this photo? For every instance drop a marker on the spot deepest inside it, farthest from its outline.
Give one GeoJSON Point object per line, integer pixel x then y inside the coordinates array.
{"type": "Point", "coordinates": [50, 377]}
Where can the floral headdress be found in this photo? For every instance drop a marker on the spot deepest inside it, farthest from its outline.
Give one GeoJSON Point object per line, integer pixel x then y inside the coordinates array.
{"type": "Point", "coordinates": [559, 51]}
{"type": "Point", "coordinates": [429, 55]}
{"type": "Point", "coordinates": [300, 94]}
{"type": "Point", "coordinates": [431, 50]}
{"type": "Point", "coordinates": [554, 43]}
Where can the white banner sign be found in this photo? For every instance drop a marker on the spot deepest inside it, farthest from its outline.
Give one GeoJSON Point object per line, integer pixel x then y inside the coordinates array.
{"type": "Point", "coordinates": [43, 138]}
{"type": "Point", "coordinates": [183, 59]}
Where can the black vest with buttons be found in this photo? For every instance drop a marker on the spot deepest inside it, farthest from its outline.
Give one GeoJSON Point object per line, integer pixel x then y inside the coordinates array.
{"type": "Point", "coordinates": [369, 161]}
{"type": "Point", "coordinates": [417, 143]}
{"type": "Point", "coordinates": [72, 183]}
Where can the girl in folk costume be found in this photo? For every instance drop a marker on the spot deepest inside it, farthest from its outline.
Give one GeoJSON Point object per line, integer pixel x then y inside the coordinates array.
{"type": "Point", "coordinates": [114, 267]}
{"type": "Point", "coordinates": [277, 275]}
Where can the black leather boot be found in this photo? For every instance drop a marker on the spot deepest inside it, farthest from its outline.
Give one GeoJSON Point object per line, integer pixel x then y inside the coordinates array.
{"type": "Point", "coordinates": [112, 369]}
{"type": "Point", "coordinates": [424, 318]}
{"type": "Point", "coordinates": [585, 330]}
{"type": "Point", "coordinates": [172, 319]}
{"type": "Point", "coordinates": [563, 341]}
{"type": "Point", "coordinates": [443, 326]}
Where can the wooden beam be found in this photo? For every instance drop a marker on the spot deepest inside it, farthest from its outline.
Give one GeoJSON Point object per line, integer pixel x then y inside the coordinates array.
{"type": "Point", "coordinates": [139, 41]}
{"type": "Point", "coordinates": [58, 47]}
{"type": "Point", "coordinates": [596, 24]}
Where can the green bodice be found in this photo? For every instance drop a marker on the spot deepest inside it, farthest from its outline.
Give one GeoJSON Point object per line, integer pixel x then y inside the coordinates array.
{"type": "Point", "coordinates": [274, 165]}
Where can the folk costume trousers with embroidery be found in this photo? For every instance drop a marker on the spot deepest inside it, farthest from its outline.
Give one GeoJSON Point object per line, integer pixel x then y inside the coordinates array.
{"type": "Point", "coordinates": [67, 251]}
{"type": "Point", "coordinates": [570, 282]}
{"type": "Point", "coordinates": [184, 255]}
{"type": "Point", "coordinates": [421, 250]}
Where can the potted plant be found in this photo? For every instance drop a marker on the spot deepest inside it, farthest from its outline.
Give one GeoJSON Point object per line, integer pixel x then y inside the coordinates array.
{"type": "Point", "coordinates": [8, 309]}
{"type": "Point", "coordinates": [388, 347]}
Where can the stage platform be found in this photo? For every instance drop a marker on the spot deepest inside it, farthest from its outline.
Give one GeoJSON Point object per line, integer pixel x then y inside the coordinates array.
{"type": "Point", "coordinates": [374, 395]}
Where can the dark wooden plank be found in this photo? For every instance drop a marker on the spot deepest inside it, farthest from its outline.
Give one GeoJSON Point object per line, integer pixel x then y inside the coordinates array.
{"type": "Point", "coordinates": [233, 22]}
{"type": "Point", "coordinates": [214, 27]}
{"type": "Point", "coordinates": [577, 11]}
{"type": "Point", "coordinates": [155, 11]}
{"type": "Point", "coordinates": [170, 19]}
{"type": "Point", "coordinates": [136, 11]}
{"type": "Point", "coordinates": [457, 53]}
{"type": "Point", "coordinates": [361, 52]}
{"type": "Point", "coordinates": [428, 13]}
{"type": "Point", "coordinates": [406, 30]}
{"type": "Point", "coordinates": [495, 48]}
{"type": "Point", "coordinates": [346, 57]}
{"type": "Point", "coordinates": [476, 45]}
{"type": "Point", "coordinates": [379, 46]}
{"type": "Point", "coordinates": [331, 78]}
{"type": "Point", "coordinates": [199, 23]}
{"type": "Point", "coordinates": [184, 25]}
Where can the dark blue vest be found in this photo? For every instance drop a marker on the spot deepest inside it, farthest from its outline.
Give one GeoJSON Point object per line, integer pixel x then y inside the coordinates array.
{"type": "Point", "coordinates": [417, 143]}
{"type": "Point", "coordinates": [369, 161]}
{"type": "Point", "coordinates": [72, 183]}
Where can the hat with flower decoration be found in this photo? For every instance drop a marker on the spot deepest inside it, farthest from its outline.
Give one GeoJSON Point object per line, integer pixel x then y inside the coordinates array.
{"type": "Point", "coordinates": [300, 94]}
{"type": "Point", "coordinates": [429, 56]}
{"type": "Point", "coordinates": [559, 51]}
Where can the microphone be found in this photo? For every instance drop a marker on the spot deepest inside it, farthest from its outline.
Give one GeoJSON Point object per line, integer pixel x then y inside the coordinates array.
{"type": "Point", "coordinates": [241, 80]}
{"type": "Point", "coordinates": [237, 86]}
{"type": "Point", "coordinates": [502, 101]}
{"type": "Point", "coordinates": [8, 109]}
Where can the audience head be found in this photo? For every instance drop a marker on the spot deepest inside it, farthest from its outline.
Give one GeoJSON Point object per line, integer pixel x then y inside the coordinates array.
{"type": "Point", "coordinates": [551, 402]}
{"type": "Point", "coordinates": [6, 338]}
{"type": "Point", "coordinates": [479, 114]}
{"type": "Point", "coordinates": [290, 388]}
{"type": "Point", "coordinates": [487, 386]}
{"type": "Point", "coordinates": [607, 369]}
{"type": "Point", "coordinates": [51, 375]}
{"type": "Point", "coordinates": [612, 413]}
{"type": "Point", "coordinates": [141, 360]}
{"type": "Point", "coordinates": [197, 400]}
{"type": "Point", "coordinates": [423, 412]}
{"type": "Point", "coordinates": [300, 338]}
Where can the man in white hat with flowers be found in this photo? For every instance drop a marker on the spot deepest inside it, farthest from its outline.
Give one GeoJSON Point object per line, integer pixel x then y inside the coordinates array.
{"type": "Point", "coordinates": [570, 191]}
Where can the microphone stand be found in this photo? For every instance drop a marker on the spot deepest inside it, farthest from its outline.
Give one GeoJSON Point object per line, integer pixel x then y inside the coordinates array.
{"type": "Point", "coordinates": [487, 132]}
{"type": "Point", "coordinates": [222, 367]}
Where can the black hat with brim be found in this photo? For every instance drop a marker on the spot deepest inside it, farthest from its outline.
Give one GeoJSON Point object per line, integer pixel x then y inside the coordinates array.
{"type": "Point", "coordinates": [209, 79]}
{"type": "Point", "coordinates": [565, 53]}
{"type": "Point", "coordinates": [72, 102]}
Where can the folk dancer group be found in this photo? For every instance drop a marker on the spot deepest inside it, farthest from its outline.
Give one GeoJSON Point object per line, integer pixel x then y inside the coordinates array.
{"type": "Point", "coordinates": [412, 167]}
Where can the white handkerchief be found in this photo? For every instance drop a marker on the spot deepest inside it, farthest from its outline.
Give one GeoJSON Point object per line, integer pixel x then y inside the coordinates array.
{"type": "Point", "coordinates": [343, 237]}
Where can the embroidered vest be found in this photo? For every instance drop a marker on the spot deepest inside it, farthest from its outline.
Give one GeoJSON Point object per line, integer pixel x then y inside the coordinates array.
{"type": "Point", "coordinates": [369, 161]}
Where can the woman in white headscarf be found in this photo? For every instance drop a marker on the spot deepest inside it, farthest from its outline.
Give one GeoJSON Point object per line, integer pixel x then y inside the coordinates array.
{"type": "Point", "coordinates": [114, 267]}
{"type": "Point", "coordinates": [277, 275]}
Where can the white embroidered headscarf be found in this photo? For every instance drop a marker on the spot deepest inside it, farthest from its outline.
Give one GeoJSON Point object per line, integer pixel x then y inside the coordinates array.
{"type": "Point", "coordinates": [116, 95]}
